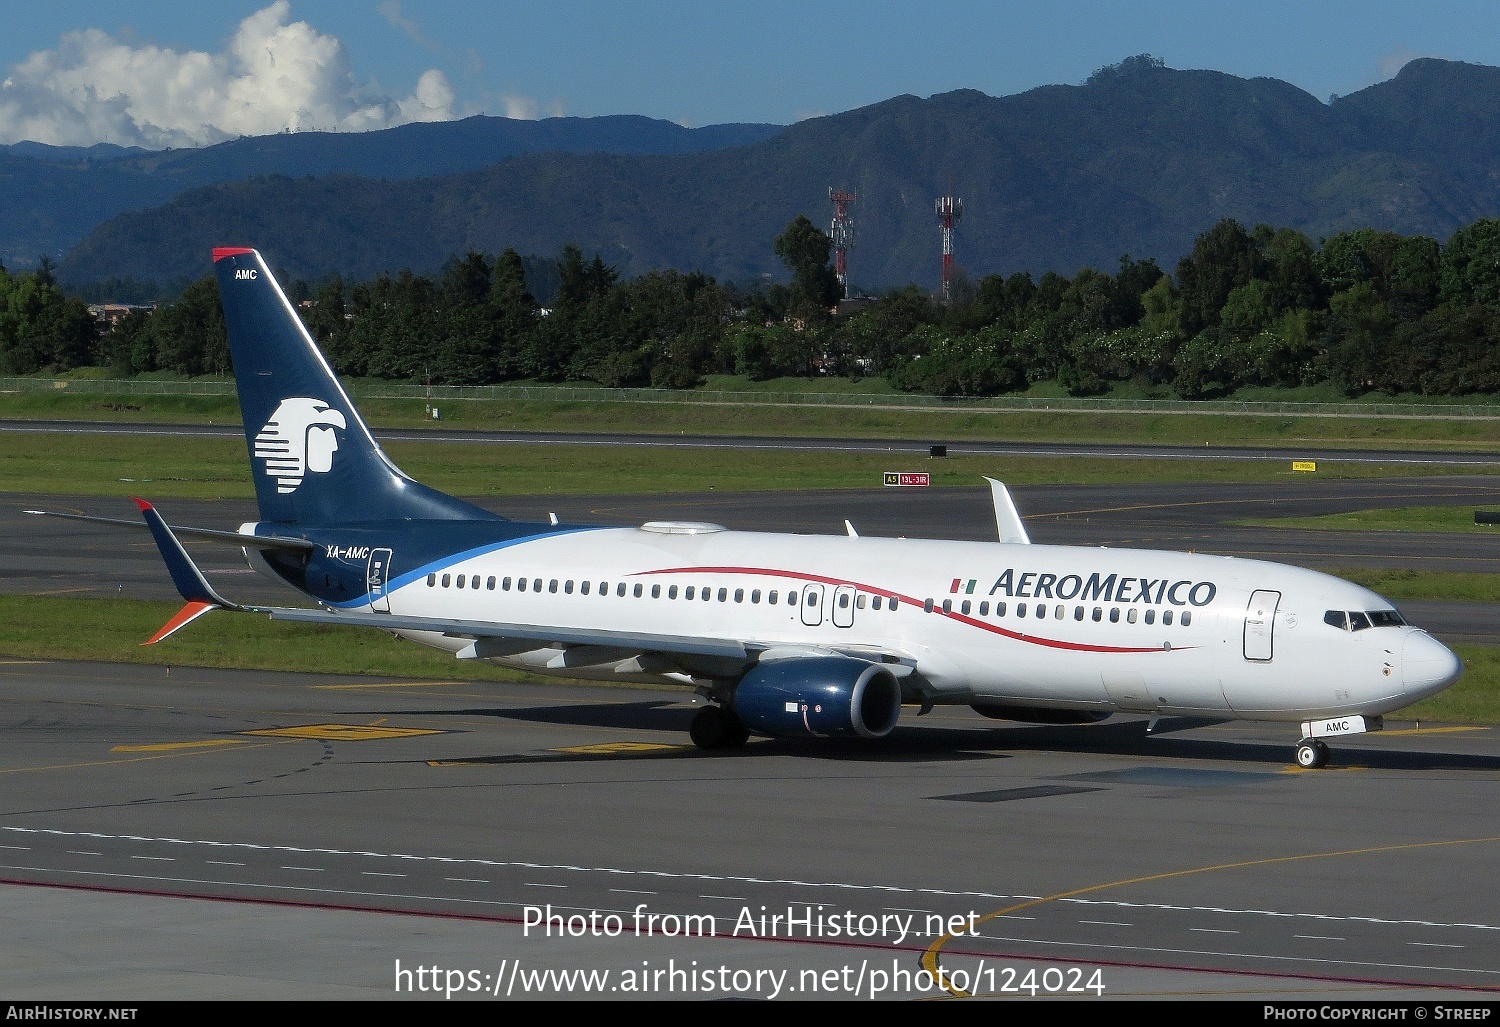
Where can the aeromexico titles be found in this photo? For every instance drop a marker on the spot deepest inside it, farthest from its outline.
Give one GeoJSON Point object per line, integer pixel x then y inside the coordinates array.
{"type": "Point", "coordinates": [781, 634]}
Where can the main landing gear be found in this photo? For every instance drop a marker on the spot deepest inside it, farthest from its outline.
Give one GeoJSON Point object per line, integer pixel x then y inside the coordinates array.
{"type": "Point", "coordinates": [714, 727]}
{"type": "Point", "coordinates": [1312, 754]}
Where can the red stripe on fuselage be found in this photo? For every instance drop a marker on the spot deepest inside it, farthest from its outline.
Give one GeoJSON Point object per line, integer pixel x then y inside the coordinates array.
{"type": "Point", "coordinates": [1053, 643]}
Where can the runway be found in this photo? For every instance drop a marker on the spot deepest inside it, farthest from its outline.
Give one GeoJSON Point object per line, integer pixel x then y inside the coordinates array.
{"type": "Point", "coordinates": [227, 834]}
{"type": "Point", "coordinates": [1478, 461]}
{"type": "Point", "coordinates": [1193, 862]}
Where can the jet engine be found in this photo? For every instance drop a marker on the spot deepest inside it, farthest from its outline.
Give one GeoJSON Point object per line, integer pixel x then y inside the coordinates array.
{"type": "Point", "coordinates": [819, 696]}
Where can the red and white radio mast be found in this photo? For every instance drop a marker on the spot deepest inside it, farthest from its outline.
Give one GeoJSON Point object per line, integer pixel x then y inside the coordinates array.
{"type": "Point", "coordinates": [842, 234]}
{"type": "Point", "coordinates": [949, 210]}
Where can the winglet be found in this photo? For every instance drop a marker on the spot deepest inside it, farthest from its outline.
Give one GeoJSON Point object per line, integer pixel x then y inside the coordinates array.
{"type": "Point", "coordinates": [1007, 520]}
{"type": "Point", "coordinates": [185, 616]}
{"type": "Point", "coordinates": [191, 584]}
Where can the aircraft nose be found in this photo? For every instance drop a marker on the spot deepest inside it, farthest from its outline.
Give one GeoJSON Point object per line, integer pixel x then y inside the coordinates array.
{"type": "Point", "coordinates": [1427, 665]}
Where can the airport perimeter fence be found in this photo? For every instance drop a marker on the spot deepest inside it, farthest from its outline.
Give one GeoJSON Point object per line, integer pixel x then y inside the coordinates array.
{"type": "Point", "coordinates": [437, 394]}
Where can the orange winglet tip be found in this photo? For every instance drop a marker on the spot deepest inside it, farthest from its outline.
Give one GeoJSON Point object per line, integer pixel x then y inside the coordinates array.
{"type": "Point", "coordinates": [185, 616]}
{"type": "Point", "coordinates": [140, 503]}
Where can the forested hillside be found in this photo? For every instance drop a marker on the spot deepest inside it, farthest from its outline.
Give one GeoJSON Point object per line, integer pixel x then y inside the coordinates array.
{"type": "Point", "coordinates": [1364, 311]}
{"type": "Point", "coordinates": [1138, 160]}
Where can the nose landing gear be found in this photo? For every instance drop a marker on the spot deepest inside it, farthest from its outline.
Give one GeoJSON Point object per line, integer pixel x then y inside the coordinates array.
{"type": "Point", "coordinates": [1312, 754]}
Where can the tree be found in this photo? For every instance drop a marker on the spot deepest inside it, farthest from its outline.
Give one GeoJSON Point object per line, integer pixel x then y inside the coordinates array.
{"type": "Point", "coordinates": [1471, 264]}
{"type": "Point", "coordinates": [1223, 258]}
{"type": "Point", "coordinates": [804, 249]}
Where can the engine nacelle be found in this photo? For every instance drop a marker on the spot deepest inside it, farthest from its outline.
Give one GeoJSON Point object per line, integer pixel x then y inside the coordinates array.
{"type": "Point", "coordinates": [819, 696]}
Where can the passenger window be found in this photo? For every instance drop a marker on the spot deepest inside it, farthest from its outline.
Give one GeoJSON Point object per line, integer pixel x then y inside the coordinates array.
{"type": "Point", "coordinates": [964, 609]}
{"type": "Point", "coordinates": [791, 598]}
{"type": "Point", "coordinates": [1187, 617]}
{"type": "Point", "coordinates": [1166, 616]}
{"type": "Point", "coordinates": [927, 606]}
{"type": "Point", "coordinates": [999, 609]}
{"type": "Point", "coordinates": [690, 592]}
{"type": "Point", "coordinates": [1078, 613]}
{"type": "Point", "coordinates": [708, 593]}
{"type": "Point", "coordinates": [1150, 616]}
{"type": "Point", "coordinates": [638, 590]}
{"type": "Point", "coordinates": [1358, 621]}
{"type": "Point", "coordinates": [947, 605]}
{"type": "Point", "coordinates": [1114, 615]}
{"type": "Point", "coordinates": [568, 586]}
{"type": "Point", "coordinates": [724, 596]}
{"type": "Point", "coordinates": [739, 596]}
{"type": "Point", "coordinates": [1059, 612]}
{"type": "Point", "coordinates": [874, 604]}
{"type": "Point", "coordinates": [655, 591]}
{"type": "Point", "coordinates": [1130, 615]}
{"type": "Point", "coordinates": [536, 584]}
{"type": "Point", "coordinates": [893, 602]}
{"type": "Point", "coordinates": [672, 592]}
{"type": "Point", "coordinates": [1337, 619]}
{"type": "Point", "coordinates": [489, 583]}
{"type": "Point", "coordinates": [552, 585]}
{"type": "Point", "coordinates": [620, 589]}
{"type": "Point", "coordinates": [984, 609]}
{"type": "Point", "coordinates": [461, 580]}
{"type": "Point", "coordinates": [446, 579]}
{"type": "Point", "coordinates": [520, 584]}
{"type": "Point", "coordinates": [474, 581]}
{"type": "Point", "coordinates": [859, 601]}
{"type": "Point", "coordinates": [584, 586]}
{"type": "Point", "coordinates": [1020, 609]}
{"type": "Point", "coordinates": [431, 580]}
{"type": "Point", "coordinates": [755, 596]}
{"type": "Point", "coordinates": [772, 598]}
{"type": "Point", "coordinates": [1098, 615]}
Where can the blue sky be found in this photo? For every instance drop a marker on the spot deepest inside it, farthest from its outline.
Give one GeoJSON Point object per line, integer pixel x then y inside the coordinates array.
{"type": "Point", "coordinates": [172, 76]}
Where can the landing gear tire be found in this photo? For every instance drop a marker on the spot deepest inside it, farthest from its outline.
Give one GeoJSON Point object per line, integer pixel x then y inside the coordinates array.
{"type": "Point", "coordinates": [736, 734]}
{"type": "Point", "coordinates": [1311, 754]}
{"type": "Point", "coordinates": [714, 727]}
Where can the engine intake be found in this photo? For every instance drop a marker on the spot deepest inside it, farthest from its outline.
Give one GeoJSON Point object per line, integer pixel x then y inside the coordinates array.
{"type": "Point", "coordinates": [819, 696]}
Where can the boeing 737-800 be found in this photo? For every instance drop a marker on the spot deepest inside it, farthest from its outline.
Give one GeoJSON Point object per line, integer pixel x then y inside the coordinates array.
{"type": "Point", "coordinates": [781, 634]}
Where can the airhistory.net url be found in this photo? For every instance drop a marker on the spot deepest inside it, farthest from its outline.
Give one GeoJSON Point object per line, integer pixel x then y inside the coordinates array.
{"type": "Point", "coordinates": [512, 980]}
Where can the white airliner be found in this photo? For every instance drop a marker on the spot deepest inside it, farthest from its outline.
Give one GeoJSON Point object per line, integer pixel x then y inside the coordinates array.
{"type": "Point", "coordinates": [782, 634]}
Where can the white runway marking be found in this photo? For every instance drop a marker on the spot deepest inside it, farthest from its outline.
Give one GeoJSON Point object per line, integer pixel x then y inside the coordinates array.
{"type": "Point", "coordinates": [669, 875]}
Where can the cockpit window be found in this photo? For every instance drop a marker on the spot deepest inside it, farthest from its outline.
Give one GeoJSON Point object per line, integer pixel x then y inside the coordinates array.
{"type": "Point", "coordinates": [1386, 619]}
{"type": "Point", "coordinates": [1337, 618]}
{"type": "Point", "coordinates": [1358, 621]}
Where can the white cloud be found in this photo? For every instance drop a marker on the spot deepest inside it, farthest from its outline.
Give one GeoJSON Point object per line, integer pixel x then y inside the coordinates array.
{"type": "Point", "coordinates": [527, 108]}
{"type": "Point", "coordinates": [390, 10]}
{"type": "Point", "coordinates": [1393, 62]}
{"type": "Point", "coordinates": [275, 75]}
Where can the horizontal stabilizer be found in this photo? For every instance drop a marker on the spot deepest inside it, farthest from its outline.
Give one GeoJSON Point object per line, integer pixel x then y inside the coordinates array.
{"type": "Point", "coordinates": [233, 538]}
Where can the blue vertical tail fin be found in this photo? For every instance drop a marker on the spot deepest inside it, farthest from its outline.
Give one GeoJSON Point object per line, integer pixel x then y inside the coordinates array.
{"type": "Point", "coordinates": [313, 459]}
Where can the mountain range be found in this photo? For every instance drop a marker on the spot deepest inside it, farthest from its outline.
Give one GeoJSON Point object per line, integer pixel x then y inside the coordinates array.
{"type": "Point", "coordinates": [1139, 161]}
{"type": "Point", "coordinates": [53, 196]}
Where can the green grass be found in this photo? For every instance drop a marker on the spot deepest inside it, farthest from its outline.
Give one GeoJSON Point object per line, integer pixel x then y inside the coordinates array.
{"type": "Point", "coordinates": [1406, 518]}
{"type": "Point", "coordinates": [1399, 585]}
{"type": "Point", "coordinates": [217, 468]}
{"type": "Point", "coordinates": [111, 630]}
{"type": "Point", "coordinates": [942, 424]}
